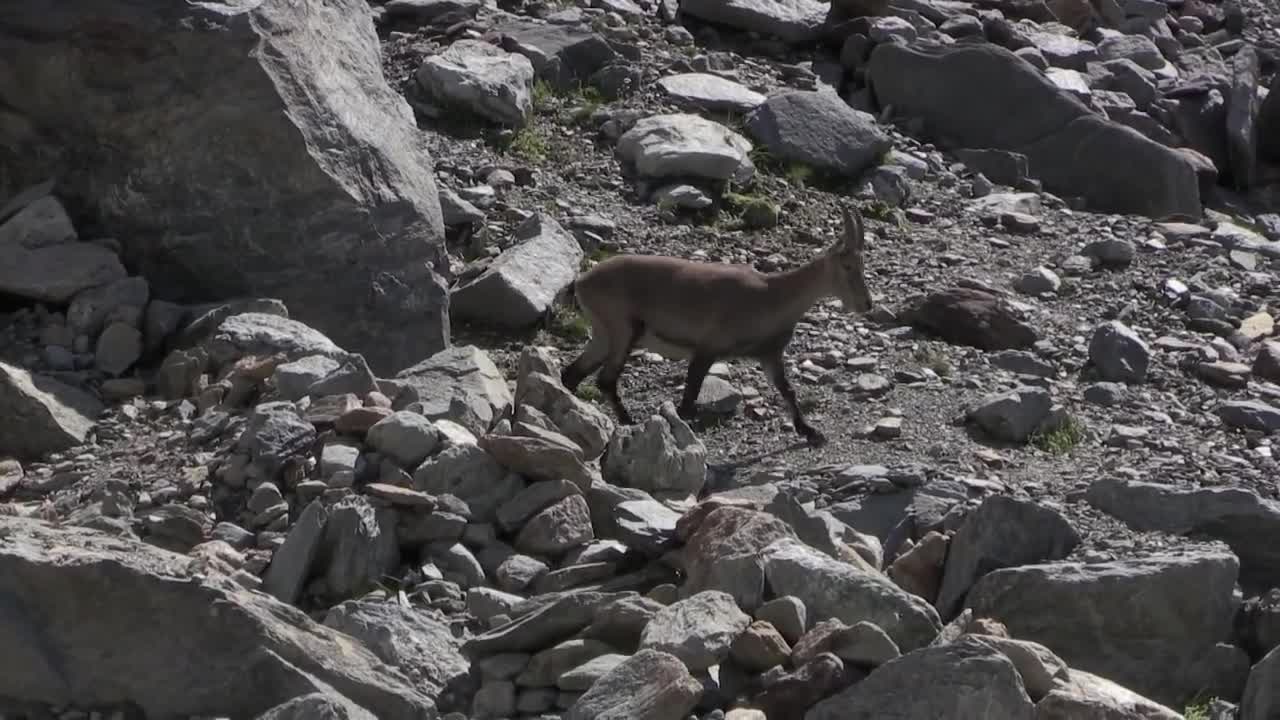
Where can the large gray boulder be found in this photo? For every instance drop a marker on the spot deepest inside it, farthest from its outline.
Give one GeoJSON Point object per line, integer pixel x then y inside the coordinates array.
{"type": "Point", "coordinates": [270, 157]}
{"type": "Point", "coordinates": [793, 21]}
{"type": "Point", "coordinates": [1164, 647]}
{"type": "Point", "coordinates": [1247, 522]}
{"type": "Point", "coordinates": [820, 130]}
{"type": "Point", "coordinates": [1071, 149]}
{"type": "Point", "coordinates": [964, 680]}
{"type": "Point", "coordinates": [41, 415]}
{"type": "Point", "coordinates": [75, 599]}
{"type": "Point", "coordinates": [521, 284]}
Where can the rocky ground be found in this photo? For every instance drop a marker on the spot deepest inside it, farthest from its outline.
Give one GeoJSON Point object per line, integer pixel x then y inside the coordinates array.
{"type": "Point", "coordinates": [1050, 488]}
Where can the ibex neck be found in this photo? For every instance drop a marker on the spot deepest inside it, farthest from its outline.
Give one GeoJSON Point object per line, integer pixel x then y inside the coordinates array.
{"type": "Point", "coordinates": [800, 288]}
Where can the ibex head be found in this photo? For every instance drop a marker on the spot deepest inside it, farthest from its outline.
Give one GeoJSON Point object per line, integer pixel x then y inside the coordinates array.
{"type": "Point", "coordinates": [848, 273]}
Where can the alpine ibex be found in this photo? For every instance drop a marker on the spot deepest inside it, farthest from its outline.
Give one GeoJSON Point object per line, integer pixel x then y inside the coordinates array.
{"type": "Point", "coordinates": [703, 312]}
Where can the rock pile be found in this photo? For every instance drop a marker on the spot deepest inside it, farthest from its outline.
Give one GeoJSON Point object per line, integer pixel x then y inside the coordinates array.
{"type": "Point", "coordinates": [270, 430]}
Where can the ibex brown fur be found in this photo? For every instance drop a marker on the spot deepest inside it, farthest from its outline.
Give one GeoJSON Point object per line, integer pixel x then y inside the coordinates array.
{"type": "Point", "coordinates": [702, 312]}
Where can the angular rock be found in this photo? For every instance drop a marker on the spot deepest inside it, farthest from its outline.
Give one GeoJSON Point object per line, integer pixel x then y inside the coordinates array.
{"type": "Point", "coordinates": [545, 668]}
{"type": "Point", "coordinates": [264, 334]}
{"type": "Point", "coordinates": [710, 93]}
{"type": "Point", "coordinates": [1074, 151]}
{"type": "Point", "coordinates": [1084, 694]}
{"type": "Point", "coordinates": [560, 527]}
{"type": "Point", "coordinates": [792, 21]}
{"type": "Point", "coordinates": [698, 630]}
{"type": "Point", "coordinates": [307, 133]}
{"type": "Point", "coordinates": [405, 437]}
{"type": "Point", "coordinates": [1250, 415]}
{"type": "Point", "coordinates": [541, 626]}
{"type": "Point", "coordinates": [89, 311]}
{"type": "Point", "coordinates": [649, 685]}
{"type": "Point", "coordinates": [686, 145]}
{"type": "Point", "coordinates": [1242, 116]}
{"type": "Point", "coordinates": [1246, 522]}
{"type": "Point", "coordinates": [420, 645]}
{"type": "Point", "coordinates": [1013, 416]}
{"type": "Point", "coordinates": [647, 526]}
{"type": "Point", "coordinates": [564, 56]}
{"type": "Point", "coordinates": [42, 415]}
{"type": "Point", "coordinates": [833, 589]}
{"type": "Point", "coordinates": [1084, 612]}
{"type": "Point", "coordinates": [1118, 354]}
{"type": "Point", "coordinates": [759, 647]}
{"type": "Point", "coordinates": [470, 474]}
{"type": "Point", "coordinates": [582, 677]}
{"type": "Point", "coordinates": [292, 562]}
{"type": "Point", "coordinates": [460, 384]}
{"type": "Point", "coordinates": [1002, 532]}
{"type": "Point", "coordinates": [481, 78]}
{"type": "Point", "coordinates": [724, 554]}
{"type": "Point", "coordinates": [1261, 699]}
{"type": "Point", "coordinates": [274, 435]}
{"type": "Point", "coordinates": [579, 420]}
{"type": "Point", "coordinates": [963, 680]}
{"type": "Point", "coordinates": [91, 590]}
{"type": "Point", "coordinates": [521, 284]}
{"type": "Point", "coordinates": [820, 130]}
{"type": "Point", "coordinates": [547, 456]}
{"type": "Point", "coordinates": [359, 547]}
{"type": "Point", "coordinates": [790, 694]}
{"type": "Point", "coordinates": [966, 316]}
{"type": "Point", "coordinates": [660, 456]}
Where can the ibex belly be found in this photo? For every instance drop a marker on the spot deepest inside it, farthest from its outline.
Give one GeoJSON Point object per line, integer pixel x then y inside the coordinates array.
{"type": "Point", "coordinates": [667, 349]}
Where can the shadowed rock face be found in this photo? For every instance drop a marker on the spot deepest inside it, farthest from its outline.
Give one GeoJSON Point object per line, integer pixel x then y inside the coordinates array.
{"type": "Point", "coordinates": [1071, 150]}
{"type": "Point", "coordinates": [89, 618]}
{"type": "Point", "coordinates": [234, 149]}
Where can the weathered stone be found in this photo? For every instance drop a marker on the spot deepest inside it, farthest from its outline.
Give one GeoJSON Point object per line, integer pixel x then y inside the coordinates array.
{"type": "Point", "coordinates": [42, 415]}
{"type": "Point", "coordinates": [307, 132]}
{"type": "Point", "coordinates": [698, 630]}
{"type": "Point", "coordinates": [649, 685]}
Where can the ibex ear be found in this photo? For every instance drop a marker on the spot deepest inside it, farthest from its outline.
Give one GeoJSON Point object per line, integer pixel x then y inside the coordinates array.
{"type": "Point", "coordinates": [854, 235]}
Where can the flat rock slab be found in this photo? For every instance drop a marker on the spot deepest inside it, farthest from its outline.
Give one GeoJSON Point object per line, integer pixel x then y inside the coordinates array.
{"type": "Point", "coordinates": [542, 626]}
{"type": "Point", "coordinates": [1246, 522]}
{"type": "Point", "coordinates": [562, 55]}
{"type": "Point", "coordinates": [1073, 151]}
{"type": "Point", "coordinates": [830, 588]}
{"type": "Point", "coordinates": [711, 93]}
{"type": "Point", "coordinates": [521, 284]}
{"type": "Point", "coordinates": [333, 208]}
{"type": "Point", "coordinates": [265, 334]}
{"type": "Point", "coordinates": [793, 21]}
{"type": "Point", "coordinates": [820, 130]}
{"type": "Point", "coordinates": [420, 644]}
{"type": "Point", "coordinates": [968, 316]}
{"type": "Point", "coordinates": [963, 680]}
{"type": "Point", "coordinates": [75, 597]}
{"type": "Point", "coordinates": [42, 415]}
{"type": "Point", "coordinates": [649, 685]}
{"type": "Point", "coordinates": [686, 145]}
{"type": "Point", "coordinates": [699, 630]}
{"type": "Point", "coordinates": [1086, 614]}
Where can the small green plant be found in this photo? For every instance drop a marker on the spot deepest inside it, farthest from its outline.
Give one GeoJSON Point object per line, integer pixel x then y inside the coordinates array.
{"type": "Point", "coordinates": [1197, 710]}
{"type": "Point", "coordinates": [753, 210]}
{"type": "Point", "coordinates": [529, 143]}
{"type": "Point", "coordinates": [1059, 440]}
{"type": "Point", "coordinates": [543, 94]}
{"type": "Point", "coordinates": [589, 392]}
{"type": "Point", "coordinates": [570, 324]}
{"type": "Point", "coordinates": [933, 359]}
{"type": "Point", "coordinates": [799, 174]}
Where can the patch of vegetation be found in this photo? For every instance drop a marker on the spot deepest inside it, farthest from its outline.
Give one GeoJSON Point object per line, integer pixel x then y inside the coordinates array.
{"type": "Point", "coordinates": [543, 94]}
{"type": "Point", "coordinates": [1197, 710]}
{"type": "Point", "coordinates": [799, 174]}
{"type": "Point", "coordinates": [569, 324]}
{"type": "Point", "coordinates": [1059, 441]}
{"type": "Point", "coordinates": [933, 359]}
{"type": "Point", "coordinates": [753, 210]}
{"type": "Point", "coordinates": [589, 392]}
{"type": "Point", "coordinates": [529, 143]}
